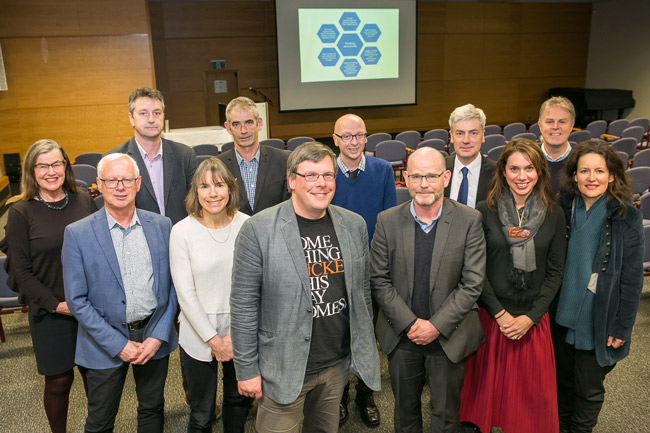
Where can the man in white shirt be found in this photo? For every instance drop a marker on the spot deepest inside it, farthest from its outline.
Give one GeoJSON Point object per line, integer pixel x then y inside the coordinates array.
{"type": "Point", "coordinates": [471, 172]}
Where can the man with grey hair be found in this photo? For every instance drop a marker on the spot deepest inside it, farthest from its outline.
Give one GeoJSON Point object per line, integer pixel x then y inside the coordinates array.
{"type": "Point", "coordinates": [300, 305]}
{"type": "Point", "coordinates": [471, 172]}
{"type": "Point", "coordinates": [167, 167]}
{"type": "Point", "coordinates": [119, 288]}
{"type": "Point", "coordinates": [259, 170]}
{"type": "Point", "coordinates": [556, 119]}
{"type": "Point", "coordinates": [427, 264]}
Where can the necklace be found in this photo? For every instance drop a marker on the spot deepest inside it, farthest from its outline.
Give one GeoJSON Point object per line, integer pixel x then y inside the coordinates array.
{"type": "Point", "coordinates": [520, 217]}
{"type": "Point", "coordinates": [66, 199]}
{"type": "Point", "coordinates": [217, 240]}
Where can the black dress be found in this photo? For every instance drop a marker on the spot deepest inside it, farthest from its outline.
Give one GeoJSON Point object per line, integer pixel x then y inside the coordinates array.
{"type": "Point", "coordinates": [34, 241]}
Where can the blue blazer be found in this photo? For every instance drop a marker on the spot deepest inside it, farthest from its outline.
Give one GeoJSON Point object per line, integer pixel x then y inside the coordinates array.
{"type": "Point", "coordinates": [95, 293]}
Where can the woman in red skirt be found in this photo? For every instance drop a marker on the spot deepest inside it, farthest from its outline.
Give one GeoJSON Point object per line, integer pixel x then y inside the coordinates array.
{"type": "Point", "coordinates": [510, 381]}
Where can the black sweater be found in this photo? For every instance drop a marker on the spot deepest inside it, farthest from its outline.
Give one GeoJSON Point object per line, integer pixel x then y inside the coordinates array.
{"type": "Point", "coordinates": [550, 253]}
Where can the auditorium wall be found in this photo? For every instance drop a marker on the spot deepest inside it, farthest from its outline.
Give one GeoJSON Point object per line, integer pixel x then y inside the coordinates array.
{"type": "Point", "coordinates": [70, 66]}
{"type": "Point", "coordinates": [502, 57]}
{"type": "Point", "coordinates": [619, 55]}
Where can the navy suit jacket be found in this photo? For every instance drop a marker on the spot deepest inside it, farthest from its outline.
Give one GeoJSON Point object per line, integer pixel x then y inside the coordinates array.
{"type": "Point", "coordinates": [271, 186]}
{"type": "Point", "coordinates": [95, 293]}
{"type": "Point", "coordinates": [179, 165]}
{"type": "Point", "coordinates": [488, 169]}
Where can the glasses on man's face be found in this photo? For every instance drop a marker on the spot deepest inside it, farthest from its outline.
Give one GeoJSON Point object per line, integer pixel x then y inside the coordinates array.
{"type": "Point", "coordinates": [126, 183]}
{"type": "Point", "coordinates": [430, 178]}
{"type": "Point", "coordinates": [313, 177]}
{"type": "Point", "coordinates": [348, 137]}
{"type": "Point", "coordinates": [56, 165]}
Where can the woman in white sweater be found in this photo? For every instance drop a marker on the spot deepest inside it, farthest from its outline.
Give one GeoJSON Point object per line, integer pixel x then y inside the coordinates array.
{"type": "Point", "coordinates": [201, 255]}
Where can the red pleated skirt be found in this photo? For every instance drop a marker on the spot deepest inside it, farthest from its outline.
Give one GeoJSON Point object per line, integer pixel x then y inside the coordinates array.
{"type": "Point", "coordinates": [511, 383]}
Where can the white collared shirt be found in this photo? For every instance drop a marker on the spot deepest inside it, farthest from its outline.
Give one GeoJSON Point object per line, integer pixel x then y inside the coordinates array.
{"type": "Point", "coordinates": [473, 174]}
{"type": "Point", "coordinates": [559, 158]}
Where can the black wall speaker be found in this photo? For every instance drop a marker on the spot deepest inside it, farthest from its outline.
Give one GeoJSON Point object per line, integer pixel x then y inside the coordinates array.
{"type": "Point", "coordinates": [12, 166]}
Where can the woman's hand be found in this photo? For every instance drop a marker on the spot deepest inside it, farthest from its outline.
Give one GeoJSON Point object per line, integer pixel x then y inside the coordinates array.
{"type": "Point", "coordinates": [221, 348]}
{"type": "Point", "coordinates": [516, 328]}
{"type": "Point", "coordinates": [614, 342]}
{"type": "Point", "coordinates": [62, 308]}
{"type": "Point", "coordinates": [504, 318]}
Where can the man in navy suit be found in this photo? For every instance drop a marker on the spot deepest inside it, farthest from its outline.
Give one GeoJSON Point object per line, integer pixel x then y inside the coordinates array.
{"type": "Point", "coordinates": [167, 167]}
{"type": "Point", "coordinates": [471, 172]}
{"type": "Point", "coordinates": [118, 286]}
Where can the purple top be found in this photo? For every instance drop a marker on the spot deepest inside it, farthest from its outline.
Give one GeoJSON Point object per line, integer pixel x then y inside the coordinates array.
{"type": "Point", "coordinates": [155, 170]}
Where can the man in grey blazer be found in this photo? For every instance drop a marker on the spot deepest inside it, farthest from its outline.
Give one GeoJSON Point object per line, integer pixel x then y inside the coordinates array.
{"type": "Point", "coordinates": [427, 266]}
{"type": "Point", "coordinates": [166, 167]}
{"type": "Point", "coordinates": [471, 172]}
{"type": "Point", "coordinates": [259, 170]}
{"type": "Point", "coordinates": [301, 311]}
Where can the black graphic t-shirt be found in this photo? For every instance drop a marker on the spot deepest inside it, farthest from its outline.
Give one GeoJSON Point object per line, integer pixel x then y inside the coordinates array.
{"type": "Point", "coordinates": [330, 337]}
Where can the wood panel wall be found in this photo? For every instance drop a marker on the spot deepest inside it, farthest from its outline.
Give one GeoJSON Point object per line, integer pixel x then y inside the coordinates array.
{"type": "Point", "coordinates": [70, 66]}
{"type": "Point", "coordinates": [502, 57]}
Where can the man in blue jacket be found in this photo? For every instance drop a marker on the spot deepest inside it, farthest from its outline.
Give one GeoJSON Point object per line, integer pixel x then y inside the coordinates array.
{"type": "Point", "coordinates": [118, 286]}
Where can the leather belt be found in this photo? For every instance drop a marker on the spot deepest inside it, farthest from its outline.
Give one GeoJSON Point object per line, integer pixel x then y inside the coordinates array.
{"type": "Point", "coordinates": [138, 324]}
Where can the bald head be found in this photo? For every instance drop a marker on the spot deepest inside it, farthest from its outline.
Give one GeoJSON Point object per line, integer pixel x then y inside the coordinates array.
{"type": "Point", "coordinates": [426, 178]}
{"type": "Point", "coordinates": [348, 121]}
{"type": "Point", "coordinates": [427, 155]}
{"type": "Point", "coordinates": [350, 137]}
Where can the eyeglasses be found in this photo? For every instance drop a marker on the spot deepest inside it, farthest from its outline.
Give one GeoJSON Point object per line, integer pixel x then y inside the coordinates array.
{"type": "Point", "coordinates": [348, 137]}
{"type": "Point", "coordinates": [112, 183]}
{"type": "Point", "coordinates": [56, 165]}
{"type": "Point", "coordinates": [313, 177]}
{"type": "Point", "coordinates": [431, 178]}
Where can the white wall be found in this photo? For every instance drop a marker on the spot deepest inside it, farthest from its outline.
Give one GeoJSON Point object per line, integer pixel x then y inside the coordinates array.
{"type": "Point", "coordinates": [619, 50]}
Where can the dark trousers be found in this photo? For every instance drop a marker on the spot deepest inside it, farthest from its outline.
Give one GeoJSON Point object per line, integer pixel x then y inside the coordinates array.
{"type": "Point", "coordinates": [580, 385]}
{"type": "Point", "coordinates": [202, 388]}
{"type": "Point", "coordinates": [408, 373]}
{"type": "Point", "coordinates": [105, 390]}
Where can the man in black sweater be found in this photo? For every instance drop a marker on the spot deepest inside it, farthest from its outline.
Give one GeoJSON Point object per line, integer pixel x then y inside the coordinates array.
{"type": "Point", "coordinates": [556, 119]}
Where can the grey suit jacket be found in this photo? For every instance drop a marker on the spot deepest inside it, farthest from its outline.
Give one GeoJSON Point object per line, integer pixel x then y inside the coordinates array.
{"type": "Point", "coordinates": [271, 301]}
{"type": "Point", "coordinates": [271, 186]}
{"type": "Point", "coordinates": [488, 168]}
{"type": "Point", "coordinates": [457, 271]}
{"type": "Point", "coordinates": [179, 165]}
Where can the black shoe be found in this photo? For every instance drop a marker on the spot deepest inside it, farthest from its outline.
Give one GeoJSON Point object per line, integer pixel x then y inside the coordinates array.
{"type": "Point", "coordinates": [468, 427]}
{"type": "Point", "coordinates": [343, 407]}
{"type": "Point", "coordinates": [369, 411]}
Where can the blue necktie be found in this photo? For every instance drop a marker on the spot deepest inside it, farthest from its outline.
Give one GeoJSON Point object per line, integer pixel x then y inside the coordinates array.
{"type": "Point", "coordinates": [462, 192]}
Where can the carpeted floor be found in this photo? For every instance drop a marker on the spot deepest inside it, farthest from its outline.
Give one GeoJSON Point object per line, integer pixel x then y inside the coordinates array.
{"type": "Point", "coordinates": [21, 388]}
{"type": "Point", "coordinates": [21, 408]}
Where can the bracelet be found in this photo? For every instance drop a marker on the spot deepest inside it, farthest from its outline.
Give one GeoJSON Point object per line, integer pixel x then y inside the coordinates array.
{"type": "Point", "coordinates": [500, 315]}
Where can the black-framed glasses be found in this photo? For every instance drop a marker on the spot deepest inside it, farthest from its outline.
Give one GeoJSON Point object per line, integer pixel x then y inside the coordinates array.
{"type": "Point", "coordinates": [112, 183]}
{"type": "Point", "coordinates": [431, 178]}
{"type": "Point", "coordinates": [56, 165]}
{"type": "Point", "coordinates": [313, 177]}
{"type": "Point", "coordinates": [348, 137]}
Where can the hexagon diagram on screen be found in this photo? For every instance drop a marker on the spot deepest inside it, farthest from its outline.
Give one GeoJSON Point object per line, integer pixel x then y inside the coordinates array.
{"type": "Point", "coordinates": [328, 33]}
{"type": "Point", "coordinates": [349, 21]}
{"type": "Point", "coordinates": [344, 44]}
{"type": "Point", "coordinates": [350, 45]}
{"type": "Point", "coordinates": [370, 55]}
{"type": "Point", "coordinates": [328, 56]}
{"type": "Point", "coordinates": [370, 33]}
{"type": "Point", "coordinates": [350, 67]}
